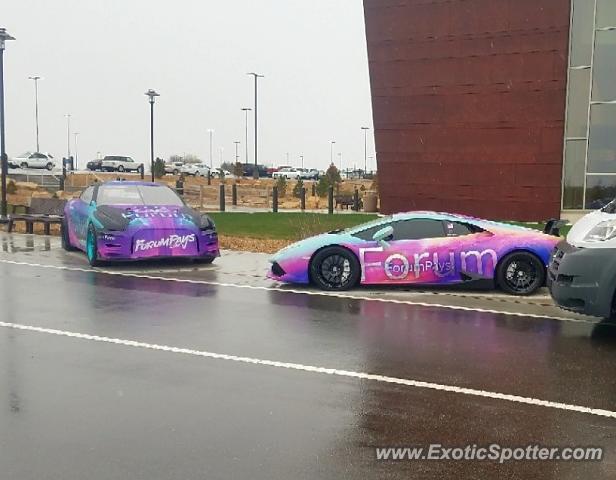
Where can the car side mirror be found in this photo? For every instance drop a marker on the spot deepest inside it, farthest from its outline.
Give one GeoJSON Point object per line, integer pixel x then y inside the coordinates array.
{"type": "Point", "coordinates": [383, 235]}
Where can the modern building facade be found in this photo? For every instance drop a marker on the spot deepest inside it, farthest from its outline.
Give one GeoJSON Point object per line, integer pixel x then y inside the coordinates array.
{"type": "Point", "coordinates": [496, 108]}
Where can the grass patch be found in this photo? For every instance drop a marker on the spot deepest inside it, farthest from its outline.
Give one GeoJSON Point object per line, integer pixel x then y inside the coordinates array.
{"type": "Point", "coordinates": [283, 226]}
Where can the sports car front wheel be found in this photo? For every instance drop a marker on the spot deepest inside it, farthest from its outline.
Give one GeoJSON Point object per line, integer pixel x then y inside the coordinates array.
{"type": "Point", "coordinates": [520, 273]}
{"type": "Point", "coordinates": [92, 247]}
{"type": "Point", "coordinates": [334, 268]}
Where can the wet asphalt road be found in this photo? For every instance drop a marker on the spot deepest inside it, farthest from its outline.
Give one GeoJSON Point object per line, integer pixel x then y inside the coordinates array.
{"type": "Point", "coordinates": [74, 407]}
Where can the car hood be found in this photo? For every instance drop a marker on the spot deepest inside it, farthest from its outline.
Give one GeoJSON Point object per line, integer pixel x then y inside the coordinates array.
{"type": "Point", "coordinates": [309, 245]}
{"type": "Point", "coordinates": [164, 216]}
{"type": "Point", "coordinates": [584, 225]}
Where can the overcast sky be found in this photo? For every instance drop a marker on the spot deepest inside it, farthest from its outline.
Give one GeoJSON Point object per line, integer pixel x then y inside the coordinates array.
{"type": "Point", "coordinates": [98, 57]}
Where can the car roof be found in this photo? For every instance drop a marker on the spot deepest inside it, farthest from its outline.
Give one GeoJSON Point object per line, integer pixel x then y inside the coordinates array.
{"type": "Point", "coordinates": [117, 183]}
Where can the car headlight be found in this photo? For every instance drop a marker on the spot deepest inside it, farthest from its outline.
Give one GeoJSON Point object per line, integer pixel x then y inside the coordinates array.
{"type": "Point", "coordinates": [206, 223]}
{"type": "Point", "coordinates": [601, 232]}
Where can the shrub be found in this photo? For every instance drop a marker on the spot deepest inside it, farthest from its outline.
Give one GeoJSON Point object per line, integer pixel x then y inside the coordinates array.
{"type": "Point", "coordinates": [297, 189]}
{"type": "Point", "coordinates": [238, 170]}
{"type": "Point", "coordinates": [322, 186]}
{"type": "Point", "coordinates": [281, 183]}
{"type": "Point", "coordinates": [159, 168]}
{"type": "Point", "coordinates": [11, 188]}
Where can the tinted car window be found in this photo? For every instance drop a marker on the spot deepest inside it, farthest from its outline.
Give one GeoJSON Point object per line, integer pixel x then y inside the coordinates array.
{"type": "Point", "coordinates": [86, 196]}
{"type": "Point", "coordinates": [137, 195]}
{"type": "Point", "coordinates": [38, 155]}
{"type": "Point", "coordinates": [418, 229]}
{"type": "Point", "coordinates": [159, 196]}
{"type": "Point", "coordinates": [458, 229]}
{"type": "Point", "coordinates": [368, 233]}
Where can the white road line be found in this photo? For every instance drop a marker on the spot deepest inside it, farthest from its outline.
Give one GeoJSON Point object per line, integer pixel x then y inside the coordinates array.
{"type": "Point", "coordinates": [322, 370]}
{"type": "Point", "coordinates": [345, 296]}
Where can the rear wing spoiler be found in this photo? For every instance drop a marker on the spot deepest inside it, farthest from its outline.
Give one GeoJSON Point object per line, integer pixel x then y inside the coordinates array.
{"type": "Point", "coordinates": [553, 226]}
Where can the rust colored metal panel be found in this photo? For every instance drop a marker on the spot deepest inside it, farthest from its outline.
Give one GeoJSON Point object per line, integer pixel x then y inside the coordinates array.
{"type": "Point", "coordinates": [469, 104]}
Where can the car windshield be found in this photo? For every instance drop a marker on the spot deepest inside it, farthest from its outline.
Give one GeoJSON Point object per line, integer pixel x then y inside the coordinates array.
{"type": "Point", "coordinates": [364, 226]}
{"type": "Point", "coordinates": [137, 195]}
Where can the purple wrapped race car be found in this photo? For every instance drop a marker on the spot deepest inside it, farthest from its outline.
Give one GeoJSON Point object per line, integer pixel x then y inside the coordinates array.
{"type": "Point", "coordinates": [420, 248]}
{"type": "Point", "coordinates": [123, 220]}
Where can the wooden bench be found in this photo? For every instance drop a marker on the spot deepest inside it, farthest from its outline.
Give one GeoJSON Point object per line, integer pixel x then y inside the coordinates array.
{"type": "Point", "coordinates": [346, 201]}
{"type": "Point", "coordinates": [47, 211]}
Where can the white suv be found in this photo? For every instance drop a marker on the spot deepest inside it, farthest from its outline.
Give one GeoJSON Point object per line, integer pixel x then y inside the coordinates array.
{"type": "Point", "coordinates": [174, 167]}
{"type": "Point", "coordinates": [113, 163]}
{"type": "Point", "coordinates": [288, 173]}
{"type": "Point", "coordinates": [196, 169]}
{"type": "Point", "coordinates": [33, 160]}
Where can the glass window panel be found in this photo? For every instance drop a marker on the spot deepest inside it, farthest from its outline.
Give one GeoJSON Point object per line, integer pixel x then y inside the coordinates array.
{"type": "Point", "coordinates": [581, 32]}
{"type": "Point", "coordinates": [602, 139]}
{"type": "Point", "coordinates": [600, 190]}
{"type": "Point", "coordinates": [577, 103]}
{"type": "Point", "coordinates": [606, 13]}
{"type": "Point", "coordinates": [604, 67]}
{"type": "Point", "coordinates": [573, 185]}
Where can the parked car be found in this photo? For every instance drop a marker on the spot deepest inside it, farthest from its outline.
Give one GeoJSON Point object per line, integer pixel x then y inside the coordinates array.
{"type": "Point", "coordinates": [94, 165]}
{"type": "Point", "coordinates": [33, 160]}
{"type": "Point", "coordinates": [117, 163]}
{"type": "Point", "coordinates": [582, 271]}
{"type": "Point", "coordinates": [249, 170]}
{"type": "Point", "coordinates": [289, 173]}
{"type": "Point", "coordinates": [309, 174]}
{"type": "Point", "coordinates": [122, 220]}
{"type": "Point", "coordinates": [420, 248]}
{"type": "Point", "coordinates": [219, 172]}
{"type": "Point", "coordinates": [174, 168]}
{"type": "Point", "coordinates": [195, 169]}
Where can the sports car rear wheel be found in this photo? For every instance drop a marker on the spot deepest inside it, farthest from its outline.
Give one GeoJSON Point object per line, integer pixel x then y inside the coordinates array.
{"type": "Point", "coordinates": [91, 247]}
{"type": "Point", "coordinates": [335, 268]}
{"type": "Point", "coordinates": [520, 273]}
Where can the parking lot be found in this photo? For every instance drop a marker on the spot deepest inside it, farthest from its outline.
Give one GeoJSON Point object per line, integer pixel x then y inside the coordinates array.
{"type": "Point", "coordinates": [170, 370]}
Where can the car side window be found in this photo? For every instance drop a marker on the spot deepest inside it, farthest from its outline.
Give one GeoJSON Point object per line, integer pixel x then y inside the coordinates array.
{"type": "Point", "coordinates": [86, 196]}
{"type": "Point", "coordinates": [418, 229]}
{"type": "Point", "coordinates": [459, 229]}
{"type": "Point", "coordinates": [368, 233]}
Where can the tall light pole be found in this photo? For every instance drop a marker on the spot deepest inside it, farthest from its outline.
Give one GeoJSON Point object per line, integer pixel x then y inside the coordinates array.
{"type": "Point", "coordinates": [222, 151]}
{"type": "Point", "coordinates": [237, 158]}
{"type": "Point", "coordinates": [331, 152]}
{"type": "Point", "coordinates": [211, 132]}
{"type": "Point", "coordinates": [36, 78]}
{"type": "Point", "coordinates": [68, 135]}
{"type": "Point", "coordinates": [4, 161]}
{"type": "Point", "coordinates": [256, 77]}
{"type": "Point", "coordinates": [365, 129]}
{"type": "Point", "coordinates": [151, 94]}
{"type": "Point", "coordinates": [246, 110]}
{"type": "Point", "coordinates": [75, 144]}
{"type": "Point", "coordinates": [301, 157]}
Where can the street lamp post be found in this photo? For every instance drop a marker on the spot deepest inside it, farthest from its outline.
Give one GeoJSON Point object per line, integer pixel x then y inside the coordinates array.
{"type": "Point", "coordinates": [68, 135]}
{"type": "Point", "coordinates": [246, 110]}
{"type": "Point", "coordinates": [211, 132]}
{"type": "Point", "coordinates": [301, 157]}
{"type": "Point", "coordinates": [331, 152]}
{"type": "Point", "coordinates": [237, 157]}
{"type": "Point", "coordinates": [36, 78]}
{"type": "Point", "coordinates": [75, 145]}
{"type": "Point", "coordinates": [256, 77]}
{"type": "Point", "coordinates": [3, 158]}
{"type": "Point", "coordinates": [365, 129]}
{"type": "Point", "coordinates": [151, 94]}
